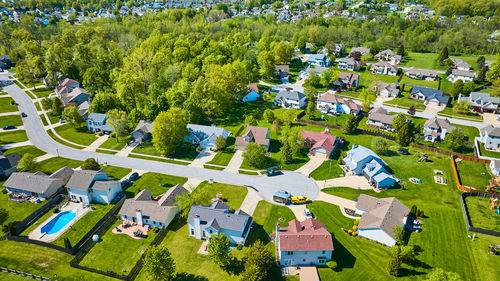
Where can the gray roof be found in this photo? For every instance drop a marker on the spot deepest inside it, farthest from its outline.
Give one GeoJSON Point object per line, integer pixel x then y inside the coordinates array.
{"type": "Point", "coordinates": [290, 95]}
{"type": "Point", "coordinates": [439, 123]}
{"type": "Point", "coordinates": [362, 50]}
{"type": "Point", "coordinates": [385, 65]}
{"type": "Point", "coordinates": [9, 161]}
{"type": "Point", "coordinates": [430, 93]}
{"type": "Point", "coordinates": [217, 214]}
{"type": "Point", "coordinates": [347, 60]}
{"type": "Point", "coordinates": [383, 213]}
{"type": "Point", "coordinates": [483, 100]}
{"type": "Point", "coordinates": [463, 73]}
{"type": "Point", "coordinates": [202, 132]}
{"type": "Point", "coordinates": [82, 179]}
{"type": "Point", "coordinates": [144, 127]}
{"type": "Point", "coordinates": [97, 117]}
{"type": "Point", "coordinates": [103, 185]}
{"type": "Point", "coordinates": [421, 72]}
{"type": "Point", "coordinates": [490, 130]}
{"type": "Point", "coordinates": [64, 173]}
{"type": "Point", "coordinates": [381, 115]}
{"type": "Point", "coordinates": [37, 183]}
{"type": "Point", "coordinates": [460, 63]}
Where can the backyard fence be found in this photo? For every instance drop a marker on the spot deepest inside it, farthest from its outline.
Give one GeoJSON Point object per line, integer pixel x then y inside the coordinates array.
{"type": "Point", "coordinates": [25, 239]}
{"type": "Point", "coordinates": [24, 274]}
{"type": "Point", "coordinates": [22, 225]}
{"type": "Point", "coordinates": [140, 263]}
{"type": "Point", "coordinates": [465, 210]}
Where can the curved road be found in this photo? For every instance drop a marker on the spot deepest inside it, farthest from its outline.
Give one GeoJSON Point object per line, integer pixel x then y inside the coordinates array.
{"type": "Point", "coordinates": [295, 183]}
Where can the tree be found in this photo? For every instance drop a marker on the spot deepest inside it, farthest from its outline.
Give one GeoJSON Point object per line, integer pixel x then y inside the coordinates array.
{"type": "Point", "coordinates": [313, 79]}
{"type": "Point", "coordinates": [367, 57]}
{"type": "Point", "coordinates": [250, 121]}
{"type": "Point", "coordinates": [438, 274]}
{"type": "Point", "coordinates": [403, 137]}
{"type": "Point", "coordinates": [456, 139]}
{"type": "Point", "coordinates": [71, 115]}
{"type": "Point", "coordinates": [401, 50]}
{"type": "Point", "coordinates": [462, 107]}
{"type": "Point", "coordinates": [218, 250]}
{"type": "Point", "coordinates": [266, 64]}
{"type": "Point", "coordinates": [399, 121]}
{"type": "Point", "coordinates": [310, 110]}
{"type": "Point", "coordinates": [380, 145]}
{"type": "Point", "coordinates": [481, 75]}
{"type": "Point", "coordinates": [443, 55]}
{"type": "Point", "coordinates": [169, 129]}
{"type": "Point", "coordinates": [368, 97]}
{"type": "Point", "coordinates": [27, 163]}
{"type": "Point", "coordinates": [258, 262]}
{"type": "Point", "coordinates": [255, 154]}
{"type": "Point", "coordinates": [269, 115]}
{"type": "Point", "coordinates": [289, 116]}
{"type": "Point", "coordinates": [283, 53]}
{"type": "Point", "coordinates": [351, 124]}
{"type": "Point", "coordinates": [412, 110]}
{"type": "Point", "coordinates": [4, 215]}
{"type": "Point", "coordinates": [104, 102]}
{"type": "Point", "coordinates": [457, 88]}
{"type": "Point", "coordinates": [355, 55]}
{"type": "Point", "coordinates": [339, 5]}
{"type": "Point", "coordinates": [399, 234]}
{"type": "Point", "coordinates": [220, 143]}
{"type": "Point", "coordinates": [394, 267]}
{"type": "Point", "coordinates": [276, 125]}
{"type": "Point", "coordinates": [57, 106]}
{"type": "Point", "coordinates": [159, 264]}
{"type": "Point", "coordinates": [468, 88]}
{"type": "Point", "coordinates": [90, 164]}
{"type": "Point", "coordinates": [117, 120]}
{"type": "Point", "coordinates": [481, 62]}
{"type": "Point", "coordinates": [286, 153]}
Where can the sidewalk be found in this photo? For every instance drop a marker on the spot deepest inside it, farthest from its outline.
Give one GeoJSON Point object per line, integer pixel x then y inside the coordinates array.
{"type": "Point", "coordinates": [98, 142]}
{"type": "Point", "coordinates": [9, 113]}
{"type": "Point", "coordinates": [44, 157]}
{"type": "Point", "coordinates": [192, 184]}
{"type": "Point", "coordinates": [16, 144]}
{"type": "Point", "coordinates": [127, 149]}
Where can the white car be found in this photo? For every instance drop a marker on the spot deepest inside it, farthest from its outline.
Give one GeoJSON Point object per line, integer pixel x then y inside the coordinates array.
{"type": "Point", "coordinates": [308, 214]}
{"type": "Point", "coordinates": [498, 117]}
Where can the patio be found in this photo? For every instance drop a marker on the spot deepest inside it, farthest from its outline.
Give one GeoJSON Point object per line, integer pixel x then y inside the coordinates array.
{"type": "Point", "coordinates": [133, 230]}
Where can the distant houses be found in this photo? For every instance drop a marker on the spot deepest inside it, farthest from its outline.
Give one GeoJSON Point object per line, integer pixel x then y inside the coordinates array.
{"type": "Point", "coordinates": [304, 243]}
{"type": "Point", "coordinates": [481, 102]}
{"type": "Point", "coordinates": [290, 99]}
{"type": "Point", "coordinates": [389, 56]}
{"type": "Point", "coordinates": [435, 129]}
{"type": "Point", "coordinates": [464, 75]}
{"type": "Point", "coordinates": [205, 136]}
{"type": "Point", "coordinates": [88, 186]}
{"type": "Point", "coordinates": [281, 70]}
{"type": "Point", "coordinates": [320, 144]}
{"type": "Point", "coordinates": [390, 90]}
{"type": "Point", "coordinates": [318, 60]}
{"type": "Point", "coordinates": [384, 68]}
{"type": "Point", "coordinates": [361, 50]}
{"type": "Point", "coordinates": [258, 135]}
{"type": "Point", "coordinates": [69, 91]}
{"type": "Point", "coordinates": [421, 74]}
{"type": "Point", "coordinates": [330, 103]}
{"type": "Point", "coordinates": [348, 64]}
{"type": "Point", "coordinates": [460, 64]}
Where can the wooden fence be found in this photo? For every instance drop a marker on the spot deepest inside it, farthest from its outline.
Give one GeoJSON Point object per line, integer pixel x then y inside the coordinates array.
{"type": "Point", "coordinates": [465, 210]}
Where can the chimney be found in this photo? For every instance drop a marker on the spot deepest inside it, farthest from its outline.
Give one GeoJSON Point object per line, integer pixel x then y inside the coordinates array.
{"type": "Point", "coordinates": [197, 226]}
{"type": "Point", "coordinates": [138, 215]}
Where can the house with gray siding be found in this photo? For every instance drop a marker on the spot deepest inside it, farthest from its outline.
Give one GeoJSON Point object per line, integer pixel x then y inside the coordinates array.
{"type": "Point", "coordinates": [8, 164]}
{"type": "Point", "coordinates": [143, 131]}
{"type": "Point", "coordinates": [205, 136]}
{"type": "Point", "coordinates": [89, 186]}
{"type": "Point", "coordinates": [490, 137]}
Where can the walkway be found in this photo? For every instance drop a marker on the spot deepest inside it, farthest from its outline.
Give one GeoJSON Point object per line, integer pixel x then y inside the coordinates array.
{"type": "Point", "coordinates": [308, 273]}
{"type": "Point", "coordinates": [339, 201]}
{"type": "Point", "coordinates": [311, 165]}
{"type": "Point", "coordinates": [203, 157]}
{"type": "Point", "coordinates": [98, 142]}
{"type": "Point", "coordinates": [250, 202]}
{"type": "Point", "coordinates": [18, 128]}
{"type": "Point", "coordinates": [127, 149]}
{"type": "Point", "coordinates": [10, 113]}
{"type": "Point", "coordinates": [298, 211]}
{"type": "Point", "coordinates": [16, 144]}
{"type": "Point", "coordinates": [235, 163]}
{"type": "Point", "coordinates": [356, 182]}
{"type": "Point", "coordinates": [192, 184]}
{"type": "Point", "coordinates": [44, 157]}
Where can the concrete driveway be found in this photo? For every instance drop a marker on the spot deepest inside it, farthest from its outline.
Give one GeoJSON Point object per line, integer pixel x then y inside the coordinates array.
{"type": "Point", "coordinates": [235, 163]}
{"type": "Point", "coordinates": [311, 165]}
{"type": "Point", "coordinates": [356, 182]}
{"type": "Point", "coordinates": [250, 202]}
{"type": "Point", "coordinates": [491, 118]}
{"type": "Point", "coordinates": [339, 201]}
{"type": "Point", "coordinates": [202, 158]}
{"type": "Point", "coordinates": [298, 211]}
{"type": "Point", "coordinates": [433, 109]}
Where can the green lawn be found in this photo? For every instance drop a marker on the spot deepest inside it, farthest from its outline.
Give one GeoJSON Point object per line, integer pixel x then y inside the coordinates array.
{"type": "Point", "coordinates": [116, 252]}
{"type": "Point", "coordinates": [233, 194]}
{"type": "Point", "coordinates": [409, 82]}
{"type": "Point", "coordinates": [19, 84]}
{"type": "Point", "coordinates": [329, 169]}
{"type": "Point", "coordinates": [39, 221]}
{"type": "Point", "coordinates": [406, 102]}
{"type": "Point", "coordinates": [15, 136]}
{"type": "Point", "coordinates": [51, 165]}
{"type": "Point", "coordinates": [17, 211]}
{"type": "Point", "coordinates": [298, 159]}
{"type": "Point", "coordinates": [470, 132]}
{"type": "Point", "coordinates": [116, 173]}
{"type": "Point", "coordinates": [42, 92]}
{"type": "Point", "coordinates": [474, 174]}
{"type": "Point", "coordinates": [328, 119]}
{"type": "Point", "coordinates": [352, 193]}
{"type": "Point", "coordinates": [207, 166]}
{"type": "Point", "coordinates": [53, 119]}
{"type": "Point", "coordinates": [367, 79]}
{"type": "Point", "coordinates": [158, 159]}
{"type": "Point", "coordinates": [76, 135]}
{"type": "Point", "coordinates": [155, 182]}
{"type": "Point", "coordinates": [11, 120]}
{"type": "Point", "coordinates": [6, 106]}
{"type": "Point", "coordinates": [111, 143]}
{"type": "Point", "coordinates": [248, 173]}
{"type": "Point", "coordinates": [59, 140]}
{"type": "Point", "coordinates": [488, 153]}
{"type": "Point", "coordinates": [422, 60]}
{"type": "Point", "coordinates": [31, 149]}
{"type": "Point", "coordinates": [185, 152]}
{"type": "Point", "coordinates": [223, 157]}
{"type": "Point", "coordinates": [481, 214]}
{"type": "Point", "coordinates": [448, 112]}
{"type": "Point", "coordinates": [105, 151]}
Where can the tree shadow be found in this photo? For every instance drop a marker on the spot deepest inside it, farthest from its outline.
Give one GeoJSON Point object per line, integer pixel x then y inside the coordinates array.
{"type": "Point", "coordinates": [257, 233]}
{"type": "Point", "coordinates": [183, 276]}
{"type": "Point", "coordinates": [236, 267]}
{"type": "Point", "coordinates": [409, 272]}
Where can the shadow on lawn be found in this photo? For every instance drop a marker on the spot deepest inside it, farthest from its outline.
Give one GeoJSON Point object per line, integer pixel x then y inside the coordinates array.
{"type": "Point", "coordinates": [182, 276]}
{"type": "Point", "coordinates": [343, 257]}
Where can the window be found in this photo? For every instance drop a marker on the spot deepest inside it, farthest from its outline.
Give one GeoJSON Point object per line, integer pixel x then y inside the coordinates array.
{"type": "Point", "coordinates": [321, 261]}
{"type": "Point", "coordinates": [305, 252]}
{"type": "Point", "coordinates": [324, 252]}
{"type": "Point", "coordinates": [303, 260]}
{"type": "Point", "coordinates": [290, 253]}
{"type": "Point", "coordinates": [192, 231]}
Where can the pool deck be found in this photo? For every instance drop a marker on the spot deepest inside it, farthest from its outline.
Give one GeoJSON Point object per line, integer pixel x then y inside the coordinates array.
{"type": "Point", "coordinates": [36, 234]}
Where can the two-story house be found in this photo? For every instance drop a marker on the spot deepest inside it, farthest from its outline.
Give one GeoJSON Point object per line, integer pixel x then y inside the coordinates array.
{"type": "Point", "coordinates": [347, 80]}
{"type": "Point", "coordinates": [464, 75]}
{"type": "Point", "coordinates": [384, 68]}
{"type": "Point", "coordinates": [460, 64]}
{"type": "Point", "coordinates": [319, 60]}
{"type": "Point", "coordinates": [348, 64]}
{"type": "Point", "coordinates": [90, 186]}
{"type": "Point", "coordinates": [389, 56]}
{"type": "Point", "coordinates": [290, 99]}
{"type": "Point", "coordinates": [205, 221]}
{"type": "Point", "coordinates": [435, 129]}
{"type": "Point", "coordinates": [330, 103]}
{"type": "Point", "coordinates": [320, 144]}
{"type": "Point", "coordinates": [361, 50]}
{"type": "Point", "coordinates": [481, 102]}
{"type": "Point", "coordinates": [304, 243]}
{"type": "Point", "coordinates": [490, 137]}
{"type": "Point", "coordinates": [205, 136]}
{"type": "Point", "coordinates": [258, 135]}
{"type": "Point", "coordinates": [96, 122]}
{"type": "Point", "coordinates": [358, 157]}
{"type": "Point", "coordinates": [390, 90]}
{"type": "Point", "coordinates": [143, 131]}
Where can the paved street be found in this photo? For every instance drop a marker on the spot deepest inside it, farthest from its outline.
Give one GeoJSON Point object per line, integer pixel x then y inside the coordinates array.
{"type": "Point", "coordinates": [294, 183]}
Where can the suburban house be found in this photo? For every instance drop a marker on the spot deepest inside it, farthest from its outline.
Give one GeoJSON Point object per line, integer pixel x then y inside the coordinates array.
{"type": "Point", "coordinates": [69, 91]}
{"type": "Point", "coordinates": [379, 216]}
{"type": "Point", "coordinates": [348, 64]}
{"type": "Point", "coordinates": [390, 90]}
{"type": "Point", "coordinates": [318, 59]}
{"type": "Point", "coordinates": [389, 56]}
{"type": "Point", "coordinates": [384, 68]}
{"type": "Point", "coordinates": [362, 50]}
{"type": "Point", "coordinates": [88, 186]}
{"type": "Point", "coordinates": [142, 131]}
{"type": "Point", "coordinates": [38, 184]}
{"type": "Point", "coordinates": [204, 221]}
{"type": "Point", "coordinates": [380, 118]}
{"type": "Point", "coordinates": [347, 80]}
{"type": "Point", "coordinates": [429, 95]}
{"type": "Point", "coordinates": [378, 176]}
{"type": "Point", "coordinates": [290, 99]}
{"type": "Point", "coordinates": [143, 209]}
{"type": "Point", "coordinates": [252, 93]}
{"type": "Point", "coordinates": [321, 144]}
{"type": "Point", "coordinates": [495, 167]}
{"type": "Point", "coordinates": [490, 137]}
{"type": "Point", "coordinates": [96, 122]}
{"type": "Point", "coordinates": [8, 164]}
{"type": "Point", "coordinates": [421, 74]}
{"type": "Point", "coordinates": [282, 70]}
{"type": "Point", "coordinates": [258, 135]}
{"type": "Point", "coordinates": [435, 129]}
{"type": "Point", "coordinates": [339, 48]}
{"type": "Point", "coordinates": [330, 103]}
{"type": "Point", "coordinates": [481, 102]}
{"type": "Point", "coordinates": [362, 161]}
{"type": "Point", "coordinates": [205, 136]}
{"type": "Point", "coordinates": [5, 62]}
{"type": "Point", "coordinates": [460, 64]}
{"type": "Point", "coordinates": [464, 75]}
{"type": "Point", "coordinates": [304, 243]}
{"type": "Point", "coordinates": [66, 85]}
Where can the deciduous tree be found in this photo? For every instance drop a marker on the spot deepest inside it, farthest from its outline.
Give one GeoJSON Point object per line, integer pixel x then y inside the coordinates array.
{"type": "Point", "coordinates": [117, 120]}
{"type": "Point", "coordinates": [220, 143]}
{"type": "Point", "coordinates": [258, 263]}
{"type": "Point", "coordinates": [169, 129]}
{"type": "Point", "coordinates": [71, 115]}
{"type": "Point", "coordinates": [255, 154]}
{"type": "Point", "coordinates": [27, 163]}
{"type": "Point", "coordinates": [457, 88]}
{"type": "Point", "coordinates": [399, 121]}
{"type": "Point", "coordinates": [380, 145]}
{"type": "Point", "coordinates": [159, 264]}
{"type": "Point", "coordinates": [269, 115]}
{"type": "Point", "coordinates": [456, 139]}
{"type": "Point", "coordinates": [219, 249]}
{"type": "Point", "coordinates": [90, 164]}
{"type": "Point", "coordinates": [57, 106]}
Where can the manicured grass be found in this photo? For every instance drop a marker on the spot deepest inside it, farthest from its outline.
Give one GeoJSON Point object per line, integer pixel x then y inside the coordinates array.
{"type": "Point", "coordinates": [448, 112]}
{"type": "Point", "coordinates": [57, 139]}
{"type": "Point", "coordinates": [146, 148]}
{"type": "Point", "coordinates": [155, 182]}
{"type": "Point", "coordinates": [158, 159]}
{"type": "Point", "coordinates": [247, 173]}
{"type": "Point", "coordinates": [233, 194]}
{"type": "Point", "coordinates": [298, 159]}
{"type": "Point", "coordinates": [116, 173]}
{"type": "Point", "coordinates": [474, 174]}
{"type": "Point", "coordinates": [352, 193]}
{"type": "Point", "coordinates": [184, 152]}
{"type": "Point", "coordinates": [53, 164]}
{"type": "Point", "coordinates": [17, 211]}
{"type": "Point", "coordinates": [76, 135]}
{"type": "Point", "coordinates": [367, 78]}
{"type": "Point", "coordinates": [329, 169]}
{"type": "Point", "coordinates": [223, 157]}
{"type": "Point", "coordinates": [116, 252]}
{"type": "Point", "coordinates": [488, 153]}
{"type": "Point", "coordinates": [39, 221]}
{"type": "Point", "coordinates": [470, 132]}
{"type": "Point", "coordinates": [11, 120]}
{"type": "Point", "coordinates": [404, 101]}
{"type": "Point", "coordinates": [409, 82]}
{"type": "Point", "coordinates": [422, 60]}
{"type": "Point", "coordinates": [53, 119]}
{"type": "Point", "coordinates": [206, 166]}
{"type": "Point", "coordinates": [31, 149]}
{"type": "Point", "coordinates": [328, 119]}
{"type": "Point", "coordinates": [6, 106]}
{"type": "Point", "coordinates": [42, 261]}
{"type": "Point", "coordinates": [42, 92]}
{"type": "Point", "coordinates": [105, 151]}
{"type": "Point", "coordinates": [14, 136]}
{"type": "Point", "coordinates": [481, 214]}
{"type": "Point", "coordinates": [111, 143]}
{"type": "Point", "coordinates": [19, 84]}
{"type": "Point", "coordinates": [83, 225]}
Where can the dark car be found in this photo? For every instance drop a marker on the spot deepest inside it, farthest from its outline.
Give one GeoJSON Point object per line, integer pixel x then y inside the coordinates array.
{"type": "Point", "coordinates": [133, 176]}
{"type": "Point", "coordinates": [403, 151]}
{"type": "Point", "coordinates": [9, 127]}
{"type": "Point", "coordinates": [126, 183]}
{"type": "Point", "coordinates": [273, 172]}
{"type": "Point", "coordinates": [23, 115]}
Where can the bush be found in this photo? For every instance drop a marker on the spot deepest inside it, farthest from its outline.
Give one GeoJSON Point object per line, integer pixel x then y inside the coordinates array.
{"type": "Point", "coordinates": [356, 222]}
{"type": "Point", "coordinates": [354, 227]}
{"type": "Point", "coordinates": [331, 264]}
{"type": "Point", "coordinates": [99, 134]}
{"type": "Point", "coordinates": [239, 247]}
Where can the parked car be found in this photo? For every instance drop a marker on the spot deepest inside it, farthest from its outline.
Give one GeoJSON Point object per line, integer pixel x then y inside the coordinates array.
{"type": "Point", "coordinates": [308, 214]}
{"type": "Point", "coordinates": [126, 183]}
{"type": "Point", "coordinates": [133, 176]}
{"type": "Point", "coordinates": [273, 172]}
{"type": "Point", "coordinates": [498, 117]}
{"type": "Point", "coordinates": [300, 199]}
{"type": "Point", "coordinates": [23, 115]}
{"type": "Point", "coordinates": [9, 127]}
{"type": "Point", "coordinates": [62, 121]}
{"type": "Point", "coordinates": [403, 151]}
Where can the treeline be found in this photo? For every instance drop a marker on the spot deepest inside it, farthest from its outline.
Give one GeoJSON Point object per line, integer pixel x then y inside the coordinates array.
{"type": "Point", "coordinates": [486, 8]}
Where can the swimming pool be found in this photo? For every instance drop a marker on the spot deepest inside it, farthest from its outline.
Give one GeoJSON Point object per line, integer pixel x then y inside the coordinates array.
{"type": "Point", "coordinates": [60, 221]}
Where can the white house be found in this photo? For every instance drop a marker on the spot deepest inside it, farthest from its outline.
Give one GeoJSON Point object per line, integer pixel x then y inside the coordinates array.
{"type": "Point", "coordinates": [331, 103]}
{"type": "Point", "coordinates": [205, 136]}
{"type": "Point", "coordinates": [290, 99]}
{"type": "Point", "coordinates": [379, 216]}
{"type": "Point", "coordinates": [379, 117]}
{"type": "Point", "coordinates": [495, 167]}
{"type": "Point", "coordinates": [389, 56]}
{"type": "Point", "coordinates": [304, 243]}
{"type": "Point", "coordinates": [481, 102]}
{"type": "Point", "coordinates": [384, 68]}
{"type": "Point", "coordinates": [384, 89]}
{"type": "Point", "coordinates": [348, 64]}
{"type": "Point", "coordinates": [460, 64]}
{"type": "Point", "coordinates": [464, 75]}
{"type": "Point", "coordinates": [435, 129]}
{"type": "Point", "coordinates": [90, 186]}
{"type": "Point", "coordinates": [490, 137]}
{"type": "Point", "coordinates": [421, 74]}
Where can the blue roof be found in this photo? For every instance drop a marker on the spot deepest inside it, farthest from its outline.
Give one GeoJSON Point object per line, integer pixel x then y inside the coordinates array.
{"type": "Point", "coordinates": [202, 132]}
{"type": "Point", "coordinates": [373, 168]}
{"type": "Point", "coordinates": [97, 117]}
{"type": "Point", "coordinates": [360, 152]}
{"type": "Point", "coordinates": [383, 176]}
{"type": "Point", "coordinates": [281, 194]}
{"type": "Point", "coordinates": [430, 93]}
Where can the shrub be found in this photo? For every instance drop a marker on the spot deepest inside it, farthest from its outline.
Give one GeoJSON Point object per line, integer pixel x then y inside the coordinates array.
{"type": "Point", "coordinates": [331, 264]}
{"type": "Point", "coordinates": [99, 134]}
{"type": "Point", "coordinates": [239, 247]}
{"type": "Point", "coordinates": [356, 222]}
{"type": "Point", "coordinates": [354, 227]}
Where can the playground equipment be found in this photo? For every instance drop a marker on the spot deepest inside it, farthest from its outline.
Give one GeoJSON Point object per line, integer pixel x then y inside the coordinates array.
{"type": "Point", "coordinates": [415, 180]}
{"type": "Point", "coordinates": [424, 158]}
{"type": "Point", "coordinates": [495, 204]}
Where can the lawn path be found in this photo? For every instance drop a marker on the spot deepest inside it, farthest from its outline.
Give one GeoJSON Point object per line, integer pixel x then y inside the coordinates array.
{"type": "Point", "coordinates": [250, 202]}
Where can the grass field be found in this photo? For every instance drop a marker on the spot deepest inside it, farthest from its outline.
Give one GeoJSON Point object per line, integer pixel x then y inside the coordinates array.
{"type": "Point", "coordinates": [481, 215]}
{"type": "Point", "coordinates": [76, 135]}
{"type": "Point", "coordinates": [53, 164]}
{"type": "Point", "coordinates": [111, 143]}
{"type": "Point", "coordinates": [156, 183]}
{"type": "Point", "coordinates": [184, 152]}
{"type": "Point", "coordinates": [247, 173]}
{"type": "Point", "coordinates": [488, 153]}
{"type": "Point", "coordinates": [11, 120]}
{"type": "Point", "coordinates": [474, 174]}
{"type": "Point", "coordinates": [233, 194]}
{"type": "Point", "coordinates": [42, 92]}
{"type": "Point", "coordinates": [158, 159]}
{"type": "Point", "coordinates": [17, 211]}
{"type": "Point", "coordinates": [405, 101]}
{"type": "Point", "coordinates": [448, 112]}
{"type": "Point", "coordinates": [53, 119]}
{"type": "Point", "coordinates": [15, 136]}
{"type": "Point", "coordinates": [324, 171]}
{"type": "Point", "coordinates": [57, 139]}
{"type": "Point", "coordinates": [207, 166]}
{"type": "Point", "coordinates": [409, 82]}
{"type": "Point", "coordinates": [116, 173]}
{"type": "Point", "coordinates": [422, 60]}
{"type": "Point", "coordinates": [31, 149]}
{"type": "Point", "coordinates": [223, 157]}
{"type": "Point", "coordinates": [6, 106]}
